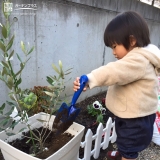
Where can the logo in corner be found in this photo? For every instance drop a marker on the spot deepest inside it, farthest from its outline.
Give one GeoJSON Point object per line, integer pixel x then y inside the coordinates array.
{"type": "Point", "coordinates": [8, 7]}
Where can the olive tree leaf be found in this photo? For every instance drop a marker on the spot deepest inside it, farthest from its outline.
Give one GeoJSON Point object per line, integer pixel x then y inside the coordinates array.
{"type": "Point", "coordinates": [14, 123]}
{"type": "Point", "coordinates": [4, 71]}
{"type": "Point", "coordinates": [31, 50]}
{"type": "Point", "coordinates": [10, 134]}
{"type": "Point", "coordinates": [49, 93]}
{"type": "Point", "coordinates": [5, 64]}
{"type": "Point", "coordinates": [9, 82]}
{"type": "Point", "coordinates": [55, 68]}
{"type": "Point", "coordinates": [4, 31]}
{"type": "Point", "coordinates": [5, 121]}
{"type": "Point", "coordinates": [10, 43]}
{"type": "Point", "coordinates": [18, 82]}
{"type": "Point", "coordinates": [23, 47]}
{"type": "Point", "coordinates": [60, 64]}
{"type": "Point", "coordinates": [10, 111]}
{"type": "Point", "coordinates": [19, 58]}
{"type": "Point", "coordinates": [2, 108]}
{"type": "Point", "coordinates": [12, 97]}
{"type": "Point", "coordinates": [40, 120]}
{"type": "Point", "coordinates": [11, 103]}
{"type": "Point", "coordinates": [28, 140]}
{"type": "Point", "coordinates": [11, 55]}
{"type": "Point", "coordinates": [50, 80]}
{"type": "Point", "coordinates": [2, 46]}
{"type": "Point", "coordinates": [21, 130]}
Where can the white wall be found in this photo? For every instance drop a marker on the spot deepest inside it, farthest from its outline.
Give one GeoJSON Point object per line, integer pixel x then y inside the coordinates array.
{"type": "Point", "coordinates": [71, 31]}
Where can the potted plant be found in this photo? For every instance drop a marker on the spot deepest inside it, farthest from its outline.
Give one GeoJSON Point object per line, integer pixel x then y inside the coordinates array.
{"type": "Point", "coordinates": [39, 126]}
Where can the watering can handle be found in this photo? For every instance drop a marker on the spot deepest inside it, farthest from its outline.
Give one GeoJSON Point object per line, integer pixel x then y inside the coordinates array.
{"type": "Point", "coordinates": [83, 80]}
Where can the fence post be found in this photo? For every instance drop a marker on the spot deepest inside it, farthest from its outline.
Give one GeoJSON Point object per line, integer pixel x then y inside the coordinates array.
{"type": "Point", "coordinates": [114, 135]}
{"type": "Point", "coordinates": [98, 141]}
{"type": "Point", "coordinates": [107, 133]}
{"type": "Point", "coordinates": [87, 149]}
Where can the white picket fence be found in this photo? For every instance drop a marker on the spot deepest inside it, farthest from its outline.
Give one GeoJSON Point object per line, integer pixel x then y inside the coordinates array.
{"type": "Point", "coordinates": [102, 138]}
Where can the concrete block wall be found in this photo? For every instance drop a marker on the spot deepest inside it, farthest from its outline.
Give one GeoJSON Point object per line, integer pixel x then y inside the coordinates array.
{"type": "Point", "coordinates": [70, 31]}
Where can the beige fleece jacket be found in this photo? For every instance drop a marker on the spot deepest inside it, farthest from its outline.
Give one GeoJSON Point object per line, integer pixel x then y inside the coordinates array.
{"type": "Point", "coordinates": [132, 81]}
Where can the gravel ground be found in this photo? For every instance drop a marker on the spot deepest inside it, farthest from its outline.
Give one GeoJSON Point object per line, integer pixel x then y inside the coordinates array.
{"type": "Point", "coordinates": [150, 153]}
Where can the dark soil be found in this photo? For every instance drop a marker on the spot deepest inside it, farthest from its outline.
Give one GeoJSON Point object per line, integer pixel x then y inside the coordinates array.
{"type": "Point", "coordinates": [53, 143]}
{"type": "Point", "coordinates": [83, 118]}
{"type": "Point", "coordinates": [1, 156]}
{"type": "Point", "coordinates": [89, 122]}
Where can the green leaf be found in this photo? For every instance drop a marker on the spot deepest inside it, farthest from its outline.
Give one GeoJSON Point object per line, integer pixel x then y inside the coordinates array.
{"type": "Point", "coordinates": [5, 121]}
{"type": "Point", "coordinates": [10, 43]}
{"type": "Point", "coordinates": [49, 93]}
{"type": "Point", "coordinates": [100, 118]}
{"type": "Point", "coordinates": [2, 46]}
{"type": "Point", "coordinates": [68, 69]}
{"type": "Point", "coordinates": [11, 97]}
{"type": "Point", "coordinates": [67, 73]}
{"type": "Point", "coordinates": [4, 71]}
{"type": "Point", "coordinates": [55, 68]}
{"type": "Point", "coordinates": [60, 64]}
{"type": "Point", "coordinates": [18, 82]}
{"type": "Point", "coordinates": [2, 78]}
{"type": "Point", "coordinates": [5, 64]}
{"type": "Point", "coordinates": [9, 112]}
{"type": "Point", "coordinates": [4, 31]}
{"type": "Point", "coordinates": [14, 123]}
{"type": "Point", "coordinates": [56, 93]}
{"type": "Point", "coordinates": [28, 59]}
{"type": "Point", "coordinates": [22, 67]}
{"type": "Point", "coordinates": [31, 50]}
{"type": "Point", "coordinates": [2, 41]}
{"type": "Point", "coordinates": [1, 64]}
{"type": "Point", "coordinates": [2, 108]}
{"type": "Point", "coordinates": [44, 107]}
{"type": "Point", "coordinates": [62, 74]}
{"type": "Point", "coordinates": [21, 130]}
{"type": "Point", "coordinates": [18, 91]}
{"type": "Point", "coordinates": [50, 80]}
{"type": "Point", "coordinates": [10, 81]}
{"type": "Point", "coordinates": [10, 103]}
{"type": "Point", "coordinates": [29, 140]}
{"type": "Point", "coordinates": [23, 47]}
{"type": "Point", "coordinates": [10, 134]}
{"type": "Point", "coordinates": [11, 55]}
{"type": "Point", "coordinates": [42, 121]}
{"type": "Point", "coordinates": [19, 58]}
{"type": "Point", "coordinates": [18, 72]}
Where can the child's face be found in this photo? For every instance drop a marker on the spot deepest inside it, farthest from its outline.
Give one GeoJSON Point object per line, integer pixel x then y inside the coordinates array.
{"type": "Point", "coordinates": [119, 51]}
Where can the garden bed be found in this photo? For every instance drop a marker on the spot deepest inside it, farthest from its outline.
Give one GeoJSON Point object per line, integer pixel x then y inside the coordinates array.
{"type": "Point", "coordinates": [88, 121]}
{"type": "Point", "coordinates": [53, 143]}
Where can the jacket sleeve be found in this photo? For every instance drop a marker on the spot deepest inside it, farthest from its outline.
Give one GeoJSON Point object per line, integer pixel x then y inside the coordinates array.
{"type": "Point", "coordinates": [121, 72]}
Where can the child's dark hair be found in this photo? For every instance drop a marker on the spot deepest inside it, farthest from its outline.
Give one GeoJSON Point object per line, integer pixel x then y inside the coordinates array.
{"type": "Point", "coordinates": [125, 25]}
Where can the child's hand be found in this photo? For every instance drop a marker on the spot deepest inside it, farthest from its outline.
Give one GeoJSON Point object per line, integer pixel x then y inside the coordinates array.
{"type": "Point", "coordinates": [76, 85]}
